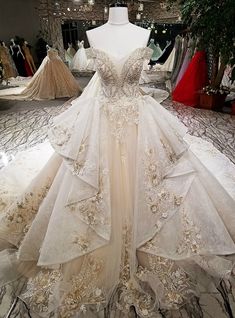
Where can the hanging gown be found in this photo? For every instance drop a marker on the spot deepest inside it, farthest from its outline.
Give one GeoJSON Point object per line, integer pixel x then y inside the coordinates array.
{"type": "Point", "coordinates": [179, 61]}
{"type": "Point", "coordinates": [184, 66]}
{"type": "Point", "coordinates": [80, 61]}
{"type": "Point", "coordinates": [114, 220]}
{"type": "Point", "coordinates": [194, 79]}
{"type": "Point", "coordinates": [52, 80]}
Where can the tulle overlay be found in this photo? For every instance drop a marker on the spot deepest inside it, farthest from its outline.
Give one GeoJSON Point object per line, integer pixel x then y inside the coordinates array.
{"type": "Point", "coordinates": [121, 215]}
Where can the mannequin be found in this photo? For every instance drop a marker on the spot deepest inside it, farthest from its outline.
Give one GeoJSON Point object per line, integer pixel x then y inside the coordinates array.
{"type": "Point", "coordinates": [29, 57]}
{"type": "Point", "coordinates": [128, 36]}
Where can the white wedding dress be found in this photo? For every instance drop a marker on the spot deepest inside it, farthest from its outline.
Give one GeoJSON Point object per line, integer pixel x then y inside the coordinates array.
{"type": "Point", "coordinates": [80, 61]}
{"type": "Point", "coordinates": [123, 215]}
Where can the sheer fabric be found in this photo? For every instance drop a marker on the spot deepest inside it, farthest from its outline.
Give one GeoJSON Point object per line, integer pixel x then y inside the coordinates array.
{"type": "Point", "coordinates": [123, 215]}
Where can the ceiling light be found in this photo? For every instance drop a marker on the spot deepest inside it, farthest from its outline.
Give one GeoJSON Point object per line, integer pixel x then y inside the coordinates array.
{"type": "Point", "coordinates": [91, 2]}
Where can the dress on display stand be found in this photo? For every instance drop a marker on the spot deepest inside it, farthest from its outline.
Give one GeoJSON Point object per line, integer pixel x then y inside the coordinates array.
{"type": "Point", "coordinates": [8, 64]}
{"type": "Point", "coordinates": [193, 80]}
{"type": "Point", "coordinates": [80, 61]}
{"type": "Point", "coordinates": [52, 80]}
{"type": "Point", "coordinates": [186, 61]}
{"type": "Point", "coordinates": [29, 58]}
{"type": "Point", "coordinates": [69, 55]}
{"type": "Point", "coordinates": [18, 59]}
{"type": "Point", "coordinates": [157, 52]}
{"type": "Point", "coordinates": [166, 52]}
{"type": "Point", "coordinates": [71, 50]}
{"type": "Point", "coordinates": [180, 48]}
{"type": "Point", "coordinates": [114, 218]}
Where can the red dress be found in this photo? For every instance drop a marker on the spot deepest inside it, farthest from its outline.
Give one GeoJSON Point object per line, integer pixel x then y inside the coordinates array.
{"type": "Point", "coordinates": [194, 79]}
{"type": "Point", "coordinates": [27, 68]}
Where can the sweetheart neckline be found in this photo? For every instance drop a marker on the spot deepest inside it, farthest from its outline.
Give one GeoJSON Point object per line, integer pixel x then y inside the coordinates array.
{"type": "Point", "coordinates": [125, 58]}
{"type": "Point", "coordinates": [115, 62]}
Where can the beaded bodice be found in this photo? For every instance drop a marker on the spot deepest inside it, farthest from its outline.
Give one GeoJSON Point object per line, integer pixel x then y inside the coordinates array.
{"type": "Point", "coordinates": [119, 77]}
{"type": "Point", "coordinates": [120, 87]}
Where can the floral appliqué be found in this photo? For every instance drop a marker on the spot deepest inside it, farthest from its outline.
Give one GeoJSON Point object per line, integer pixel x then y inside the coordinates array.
{"type": "Point", "coordinates": [191, 237]}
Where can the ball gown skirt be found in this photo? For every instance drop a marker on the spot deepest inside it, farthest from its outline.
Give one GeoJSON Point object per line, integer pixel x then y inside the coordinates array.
{"type": "Point", "coordinates": [52, 80]}
{"type": "Point", "coordinates": [123, 215]}
{"type": "Point", "coordinates": [193, 80]}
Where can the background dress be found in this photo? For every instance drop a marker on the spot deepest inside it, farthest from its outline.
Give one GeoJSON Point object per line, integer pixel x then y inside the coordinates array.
{"type": "Point", "coordinates": [52, 80]}
{"type": "Point", "coordinates": [193, 80]}
{"type": "Point", "coordinates": [80, 61]}
{"type": "Point", "coordinates": [8, 64]}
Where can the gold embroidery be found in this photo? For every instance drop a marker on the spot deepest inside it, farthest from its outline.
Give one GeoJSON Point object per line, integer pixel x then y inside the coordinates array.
{"type": "Point", "coordinates": [191, 237]}
{"type": "Point", "coordinates": [21, 214]}
{"type": "Point", "coordinates": [171, 155]}
{"type": "Point", "coordinates": [83, 289]}
{"type": "Point", "coordinates": [82, 241]}
{"type": "Point", "coordinates": [93, 211]}
{"type": "Point", "coordinates": [40, 289]}
{"type": "Point", "coordinates": [174, 279]}
{"type": "Point", "coordinates": [120, 113]}
{"type": "Point", "coordinates": [129, 292]}
{"type": "Point", "coordinates": [159, 200]}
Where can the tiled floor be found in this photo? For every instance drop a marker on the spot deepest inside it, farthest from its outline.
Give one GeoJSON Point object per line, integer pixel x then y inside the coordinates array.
{"type": "Point", "coordinates": [25, 124]}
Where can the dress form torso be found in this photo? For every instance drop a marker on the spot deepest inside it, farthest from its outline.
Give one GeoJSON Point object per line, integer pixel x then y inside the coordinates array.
{"type": "Point", "coordinates": [118, 37]}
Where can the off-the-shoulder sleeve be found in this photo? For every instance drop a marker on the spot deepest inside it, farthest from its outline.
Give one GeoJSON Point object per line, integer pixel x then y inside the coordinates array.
{"type": "Point", "coordinates": [91, 56]}
{"type": "Point", "coordinates": [90, 53]}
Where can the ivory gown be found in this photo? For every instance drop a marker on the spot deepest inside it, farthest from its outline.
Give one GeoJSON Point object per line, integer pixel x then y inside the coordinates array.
{"type": "Point", "coordinates": [80, 61]}
{"type": "Point", "coordinates": [123, 214]}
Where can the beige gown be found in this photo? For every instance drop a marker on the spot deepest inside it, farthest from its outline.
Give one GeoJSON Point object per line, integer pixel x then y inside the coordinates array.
{"type": "Point", "coordinates": [8, 64]}
{"type": "Point", "coordinates": [52, 80]}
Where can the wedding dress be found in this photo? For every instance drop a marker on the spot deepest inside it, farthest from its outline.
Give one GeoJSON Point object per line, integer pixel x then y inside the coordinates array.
{"type": "Point", "coordinates": [157, 52]}
{"type": "Point", "coordinates": [123, 215]}
{"type": "Point", "coordinates": [8, 64]}
{"type": "Point", "coordinates": [80, 61]}
{"type": "Point", "coordinates": [52, 80]}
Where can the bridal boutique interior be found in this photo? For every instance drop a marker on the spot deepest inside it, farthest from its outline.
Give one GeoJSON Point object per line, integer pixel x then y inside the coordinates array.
{"type": "Point", "coordinates": [117, 153]}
